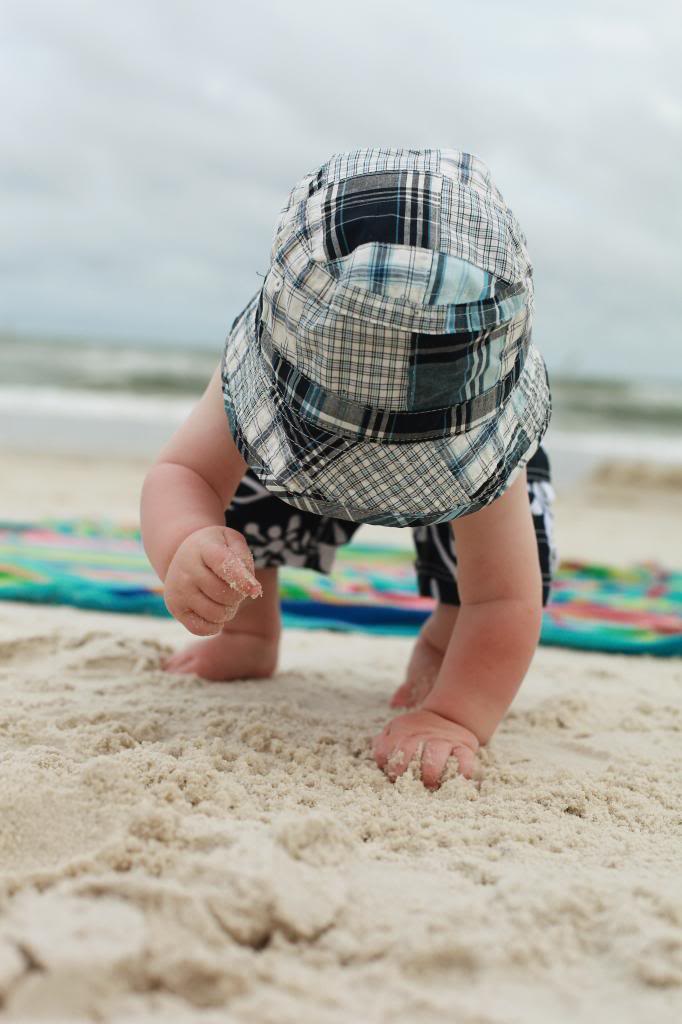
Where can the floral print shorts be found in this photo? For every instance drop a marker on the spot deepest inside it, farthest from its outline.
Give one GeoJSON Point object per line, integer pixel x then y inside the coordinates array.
{"type": "Point", "coordinates": [279, 534]}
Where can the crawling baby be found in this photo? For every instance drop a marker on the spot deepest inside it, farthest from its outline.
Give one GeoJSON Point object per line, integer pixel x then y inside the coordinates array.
{"type": "Point", "coordinates": [383, 373]}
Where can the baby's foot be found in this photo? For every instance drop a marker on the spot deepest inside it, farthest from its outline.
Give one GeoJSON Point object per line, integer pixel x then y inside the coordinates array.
{"type": "Point", "coordinates": [227, 656]}
{"type": "Point", "coordinates": [423, 667]}
{"type": "Point", "coordinates": [426, 659]}
{"type": "Point", "coordinates": [248, 646]}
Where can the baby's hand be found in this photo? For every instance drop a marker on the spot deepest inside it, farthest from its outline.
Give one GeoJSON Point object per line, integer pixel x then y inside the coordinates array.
{"type": "Point", "coordinates": [210, 575]}
{"type": "Point", "coordinates": [394, 747]}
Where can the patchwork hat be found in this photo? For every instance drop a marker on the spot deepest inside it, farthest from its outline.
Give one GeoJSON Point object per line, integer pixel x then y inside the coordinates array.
{"type": "Point", "coordinates": [384, 372]}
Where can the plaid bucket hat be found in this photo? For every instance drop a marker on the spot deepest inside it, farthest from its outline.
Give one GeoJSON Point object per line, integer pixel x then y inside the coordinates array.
{"type": "Point", "coordinates": [384, 372]}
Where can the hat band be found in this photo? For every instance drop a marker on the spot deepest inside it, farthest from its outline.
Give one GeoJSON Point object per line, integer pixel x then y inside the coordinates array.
{"type": "Point", "coordinates": [310, 401]}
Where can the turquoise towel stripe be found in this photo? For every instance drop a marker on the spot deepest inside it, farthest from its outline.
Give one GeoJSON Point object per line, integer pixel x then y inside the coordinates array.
{"type": "Point", "coordinates": [101, 565]}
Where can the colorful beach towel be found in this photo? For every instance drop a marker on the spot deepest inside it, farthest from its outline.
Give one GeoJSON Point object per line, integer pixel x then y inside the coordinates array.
{"type": "Point", "coordinates": [100, 565]}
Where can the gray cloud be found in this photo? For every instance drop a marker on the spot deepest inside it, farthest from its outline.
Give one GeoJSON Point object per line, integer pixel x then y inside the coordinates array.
{"type": "Point", "coordinates": [148, 146]}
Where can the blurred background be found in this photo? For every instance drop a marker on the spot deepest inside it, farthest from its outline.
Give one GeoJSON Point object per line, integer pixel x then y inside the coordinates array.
{"type": "Point", "coordinates": [148, 146]}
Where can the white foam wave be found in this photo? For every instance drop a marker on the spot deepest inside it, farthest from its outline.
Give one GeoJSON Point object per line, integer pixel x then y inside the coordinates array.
{"type": "Point", "coordinates": [84, 404]}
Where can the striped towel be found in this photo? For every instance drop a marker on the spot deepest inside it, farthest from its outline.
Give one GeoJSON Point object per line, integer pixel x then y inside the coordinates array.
{"type": "Point", "coordinates": [100, 565]}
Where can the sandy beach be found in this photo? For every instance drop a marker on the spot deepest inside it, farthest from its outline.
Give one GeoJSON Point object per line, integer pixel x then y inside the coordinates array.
{"type": "Point", "coordinates": [174, 850]}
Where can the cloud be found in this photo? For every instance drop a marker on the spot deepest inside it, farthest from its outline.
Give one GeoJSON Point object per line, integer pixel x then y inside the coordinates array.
{"type": "Point", "coordinates": [147, 147]}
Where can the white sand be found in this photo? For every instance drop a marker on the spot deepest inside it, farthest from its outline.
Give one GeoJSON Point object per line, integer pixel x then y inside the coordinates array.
{"type": "Point", "coordinates": [173, 850]}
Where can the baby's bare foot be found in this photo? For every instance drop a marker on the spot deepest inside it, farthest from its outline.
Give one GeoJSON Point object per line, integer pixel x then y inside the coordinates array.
{"type": "Point", "coordinates": [423, 667]}
{"type": "Point", "coordinates": [227, 656]}
{"type": "Point", "coordinates": [426, 659]}
{"type": "Point", "coordinates": [248, 646]}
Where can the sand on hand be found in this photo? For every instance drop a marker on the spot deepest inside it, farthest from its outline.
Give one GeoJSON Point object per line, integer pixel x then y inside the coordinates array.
{"type": "Point", "coordinates": [239, 577]}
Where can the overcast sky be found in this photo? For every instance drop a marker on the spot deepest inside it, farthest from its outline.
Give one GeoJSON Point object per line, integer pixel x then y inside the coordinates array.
{"type": "Point", "coordinates": [146, 148]}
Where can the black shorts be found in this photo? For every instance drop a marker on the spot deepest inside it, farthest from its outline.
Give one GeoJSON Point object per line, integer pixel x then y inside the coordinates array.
{"type": "Point", "coordinates": [279, 534]}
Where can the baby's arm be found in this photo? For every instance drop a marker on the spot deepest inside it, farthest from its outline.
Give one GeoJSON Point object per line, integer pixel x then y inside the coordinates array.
{"type": "Point", "coordinates": [498, 623]}
{"type": "Point", "coordinates": [207, 568]}
{"type": "Point", "coordinates": [492, 644]}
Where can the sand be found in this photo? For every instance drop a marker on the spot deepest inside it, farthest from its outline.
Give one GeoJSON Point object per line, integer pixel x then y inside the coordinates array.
{"type": "Point", "coordinates": [174, 850]}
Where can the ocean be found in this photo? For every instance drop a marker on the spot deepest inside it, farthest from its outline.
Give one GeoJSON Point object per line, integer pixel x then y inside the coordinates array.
{"type": "Point", "coordinates": [66, 396]}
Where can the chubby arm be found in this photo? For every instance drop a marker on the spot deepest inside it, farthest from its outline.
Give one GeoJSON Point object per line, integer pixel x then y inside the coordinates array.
{"type": "Point", "coordinates": [192, 481]}
{"type": "Point", "coordinates": [206, 566]}
{"type": "Point", "coordinates": [498, 624]}
{"type": "Point", "coordinates": [492, 643]}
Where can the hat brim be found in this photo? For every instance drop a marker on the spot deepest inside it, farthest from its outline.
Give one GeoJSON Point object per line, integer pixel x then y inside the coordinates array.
{"type": "Point", "coordinates": [407, 484]}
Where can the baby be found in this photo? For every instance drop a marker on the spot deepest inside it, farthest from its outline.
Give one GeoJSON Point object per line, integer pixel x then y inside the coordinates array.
{"type": "Point", "coordinates": [384, 373]}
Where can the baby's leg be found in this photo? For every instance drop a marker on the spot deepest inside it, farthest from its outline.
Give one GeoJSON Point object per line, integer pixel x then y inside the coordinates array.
{"type": "Point", "coordinates": [436, 566]}
{"type": "Point", "coordinates": [427, 655]}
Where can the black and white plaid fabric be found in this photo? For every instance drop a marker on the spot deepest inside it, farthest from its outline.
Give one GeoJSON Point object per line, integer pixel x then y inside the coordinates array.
{"type": "Point", "coordinates": [385, 371]}
{"type": "Point", "coordinates": [278, 534]}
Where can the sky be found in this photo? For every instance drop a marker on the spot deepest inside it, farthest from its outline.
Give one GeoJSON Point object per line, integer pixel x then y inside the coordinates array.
{"type": "Point", "coordinates": [146, 148]}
